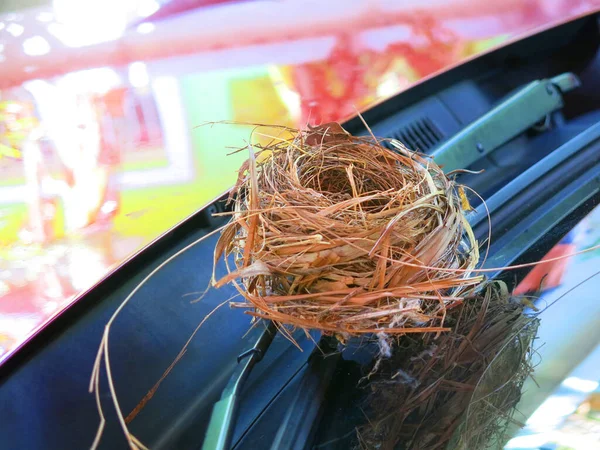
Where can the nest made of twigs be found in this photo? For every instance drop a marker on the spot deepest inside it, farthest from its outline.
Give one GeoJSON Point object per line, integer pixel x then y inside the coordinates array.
{"type": "Point", "coordinates": [340, 234]}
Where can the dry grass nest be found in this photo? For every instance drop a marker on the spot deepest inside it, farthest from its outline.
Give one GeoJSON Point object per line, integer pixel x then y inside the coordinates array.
{"type": "Point", "coordinates": [340, 234]}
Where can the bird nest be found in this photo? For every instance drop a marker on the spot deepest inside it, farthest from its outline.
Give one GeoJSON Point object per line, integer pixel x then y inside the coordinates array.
{"type": "Point", "coordinates": [458, 391]}
{"type": "Point", "coordinates": [341, 234]}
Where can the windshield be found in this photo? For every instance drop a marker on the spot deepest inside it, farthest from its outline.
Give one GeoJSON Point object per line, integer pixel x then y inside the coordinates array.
{"type": "Point", "coordinates": [553, 405]}
{"type": "Point", "coordinates": [101, 102]}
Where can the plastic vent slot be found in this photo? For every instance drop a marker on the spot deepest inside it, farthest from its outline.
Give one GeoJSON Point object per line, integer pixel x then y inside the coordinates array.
{"type": "Point", "coordinates": [420, 135]}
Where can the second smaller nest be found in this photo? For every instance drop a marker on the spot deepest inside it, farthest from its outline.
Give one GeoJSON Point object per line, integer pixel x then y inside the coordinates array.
{"type": "Point", "coordinates": [338, 233]}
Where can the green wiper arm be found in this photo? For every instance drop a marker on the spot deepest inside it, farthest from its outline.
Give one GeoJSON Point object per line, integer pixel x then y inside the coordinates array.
{"type": "Point", "coordinates": [514, 115]}
{"type": "Point", "coordinates": [222, 420]}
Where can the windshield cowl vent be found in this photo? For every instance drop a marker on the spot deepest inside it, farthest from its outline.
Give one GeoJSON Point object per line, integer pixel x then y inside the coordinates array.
{"type": "Point", "coordinates": [420, 135]}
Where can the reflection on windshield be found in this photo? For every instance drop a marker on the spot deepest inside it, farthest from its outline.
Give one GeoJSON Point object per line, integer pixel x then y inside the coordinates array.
{"type": "Point", "coordinates": [101, 148]}
{"type": "Point", "coordinates": [568, 354]}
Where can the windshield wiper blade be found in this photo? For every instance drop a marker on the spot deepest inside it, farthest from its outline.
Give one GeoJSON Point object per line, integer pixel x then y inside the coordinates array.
{"type": "Point", "coordinates": [222, 420]}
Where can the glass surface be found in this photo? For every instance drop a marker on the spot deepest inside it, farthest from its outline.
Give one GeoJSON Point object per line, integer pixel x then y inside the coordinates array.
{"type": "Point", "coordinates": [101, 107]}
{"type": "Point", "coordinates": [556, 405]}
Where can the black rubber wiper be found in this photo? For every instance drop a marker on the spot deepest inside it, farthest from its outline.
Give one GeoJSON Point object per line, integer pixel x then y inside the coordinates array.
{"type": "Point", "coordinates": [304, 413]}
{"type": "Point", "coordinates": [222, 420]}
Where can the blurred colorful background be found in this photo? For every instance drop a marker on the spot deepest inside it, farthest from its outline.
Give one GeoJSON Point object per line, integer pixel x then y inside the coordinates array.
{"type": "Point", "coordinates": [104, 105]}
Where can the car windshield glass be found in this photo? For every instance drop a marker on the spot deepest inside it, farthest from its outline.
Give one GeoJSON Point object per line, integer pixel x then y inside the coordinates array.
{"type": "Point", "coordinates": [559, 405]}
{"type": "Point", "coordinates": [100, 145]}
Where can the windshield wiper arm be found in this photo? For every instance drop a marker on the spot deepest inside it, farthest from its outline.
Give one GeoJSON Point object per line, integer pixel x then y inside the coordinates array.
{"type": "Point", "coordinates": [513, 116]}
{"type": "Point", "coordinates": [222, 420]}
